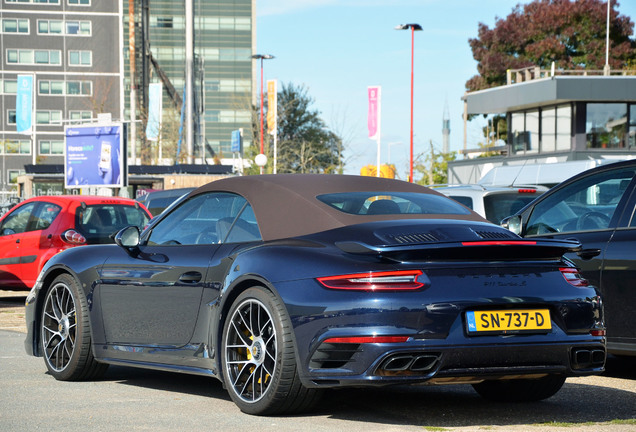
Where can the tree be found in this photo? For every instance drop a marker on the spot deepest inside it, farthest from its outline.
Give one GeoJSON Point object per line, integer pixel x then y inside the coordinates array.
{"type": "Point", "coordinates": [305, 144]}
{"type": "Point", "coordinates": [569, 32]}
{"type": "Point", "coordinates": [433, 166]}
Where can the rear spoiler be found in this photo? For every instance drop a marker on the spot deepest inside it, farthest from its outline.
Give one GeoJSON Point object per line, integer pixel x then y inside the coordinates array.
{"type": "Point", "coordinates": [514, 250]}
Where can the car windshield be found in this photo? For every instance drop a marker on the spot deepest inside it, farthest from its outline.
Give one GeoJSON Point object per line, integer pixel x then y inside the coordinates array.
{"type": "Point", "coordinates": [386, 203]}
{"type": "Point", "coordinates": [98, 222]}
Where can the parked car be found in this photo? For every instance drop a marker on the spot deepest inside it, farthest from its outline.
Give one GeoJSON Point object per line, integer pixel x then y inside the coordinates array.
{"type": "Point", "coordinates": [493, 202]}
{"type": "Point", "coordinates": [157, 201]}
{"type": "Point", "coordinates": [595, 208]}
{"type": "Point", "coordinates": [284, 285]}
{"type": "Point", "coordinates": [39, 228]}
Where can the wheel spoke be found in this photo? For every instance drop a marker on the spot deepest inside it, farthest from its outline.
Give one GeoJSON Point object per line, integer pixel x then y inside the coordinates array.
{"type": "Point", "coordinates": [59, 327]}
{"type": "Point", "coordinates": [250, 350]}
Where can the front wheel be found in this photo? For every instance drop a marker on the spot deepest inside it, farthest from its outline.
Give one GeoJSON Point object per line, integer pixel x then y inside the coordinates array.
{"type": "Point", "coordinates": [65, 333]}
{"type": "Point", "coordinates": [520, 390]}
{"type": "Point", "coordinates": [258, 358]}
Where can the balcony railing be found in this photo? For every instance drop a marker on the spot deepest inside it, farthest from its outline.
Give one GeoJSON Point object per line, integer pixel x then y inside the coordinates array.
{"type": "Point", "coordinates": [530, 73]}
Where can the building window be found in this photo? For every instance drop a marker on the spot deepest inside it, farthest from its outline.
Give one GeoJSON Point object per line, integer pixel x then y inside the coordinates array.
{"type": "Point", "coordinates": [51, 147]}
{"type": "Point", "coordinates": [46, 117]}
{"type": "Point", "coordinates": [10, 86]}
{"type": "Point", "coordinates": [34, 1]}
{"type": "Point", "coordinates": [606, 125]}
{"type": "Point", "coordinates": [33, 57]}
{"type": "Point", "coordinates": [12, 175]}
{"type": "Point", "coordinates": [563, 127]}
{"type": "Point", "coordinates": [18, 147]}
{"type": "Point", "coordinates": [80, 116]}
{"type": "Point", "coordinates": [11, 117]}
{"type": "Point", "coordinates": [15, 25]}
{"type": "Point", "coordinates": [80, 28]}
{"type": "Point", "coordinates": [73, 88]}
{"type": "Point", "coordinates": [80, 58]}
{"type": "Point", "coordinates": [548, 129]}
{"type": "Point", "coordinates": [59, 27]}
{"type": "Point", "coordinates": [79, 2]}
{"type": "Point", "coordinates": [164, 22]}
{"type": "Point", "coordinates": [50, 26]}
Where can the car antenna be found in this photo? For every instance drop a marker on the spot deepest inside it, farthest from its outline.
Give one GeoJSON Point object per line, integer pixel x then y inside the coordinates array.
{"type": "Point", "coordinates": [518, 173]}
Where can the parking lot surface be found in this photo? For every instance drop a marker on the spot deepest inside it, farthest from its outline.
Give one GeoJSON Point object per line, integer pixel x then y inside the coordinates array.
{"type": "Point", "coordinates": [135, 399]}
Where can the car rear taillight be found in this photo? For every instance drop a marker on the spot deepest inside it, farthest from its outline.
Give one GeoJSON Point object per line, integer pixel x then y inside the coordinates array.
{"type": "Point", "coordinates": [574, 277]}
{"type": "Point", "coordinates": [73, 237]}
{"type": "Point", "coordinates": [368, 339]}
{"type": "Point", "coordinates": [527, 191]}
{"type": "Point", "coordinates": [399, 280]}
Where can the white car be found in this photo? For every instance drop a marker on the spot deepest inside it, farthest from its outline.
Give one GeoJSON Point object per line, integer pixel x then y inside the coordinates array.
{"type": "Point", "coordinates": [492, 202]}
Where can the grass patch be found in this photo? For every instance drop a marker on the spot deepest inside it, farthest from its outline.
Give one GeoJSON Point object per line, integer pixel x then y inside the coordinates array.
{"type": "Point", "coordinates": [435, 428]}
{"type": "Point", "coordinates": [624, 421]}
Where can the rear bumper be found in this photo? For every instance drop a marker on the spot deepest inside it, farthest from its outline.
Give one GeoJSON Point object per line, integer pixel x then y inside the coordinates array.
{"type": "Point", "coordinates": [389, 364]}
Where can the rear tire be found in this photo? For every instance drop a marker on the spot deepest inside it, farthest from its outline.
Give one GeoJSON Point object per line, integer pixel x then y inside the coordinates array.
{"type": "Point", "coordinates": [65, 333]}
{"type": "Point", "coordinates": [520, 390]}
{"type": "Point", "coordinates": [259, 364]}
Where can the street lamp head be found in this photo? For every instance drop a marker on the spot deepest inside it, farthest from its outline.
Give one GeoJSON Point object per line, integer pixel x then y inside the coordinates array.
{"type": "Point", "coordinates": [262, 56]}
{"type": "Point", "coordinates": [408, 26]}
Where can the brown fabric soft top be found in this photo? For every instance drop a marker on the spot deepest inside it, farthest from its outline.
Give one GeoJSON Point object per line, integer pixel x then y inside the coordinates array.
{"type": "Point", "coordinates": [285, 205]}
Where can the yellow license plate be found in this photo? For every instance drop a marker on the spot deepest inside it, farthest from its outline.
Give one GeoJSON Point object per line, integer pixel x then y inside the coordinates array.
{"type": "Point", "coordinates": [508, 321]}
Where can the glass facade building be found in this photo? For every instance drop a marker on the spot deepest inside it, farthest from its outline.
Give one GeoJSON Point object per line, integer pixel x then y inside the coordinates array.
{"type": "Point", "coordinates": [223, 72]}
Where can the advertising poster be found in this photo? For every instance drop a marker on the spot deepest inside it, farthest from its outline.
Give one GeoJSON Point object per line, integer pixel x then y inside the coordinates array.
{"type": "Point", "coordinates": [94, 156]}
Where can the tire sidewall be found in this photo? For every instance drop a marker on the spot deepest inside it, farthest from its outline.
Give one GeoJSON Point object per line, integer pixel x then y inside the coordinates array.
{"type": "Point", "coordinates": [280, 320]}
{"type": "Point", "coordinates": [80, 310]}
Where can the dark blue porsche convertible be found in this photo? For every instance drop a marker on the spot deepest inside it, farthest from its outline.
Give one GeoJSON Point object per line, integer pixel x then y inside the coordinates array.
{"type": "Point", "coordinates": [284, 285]}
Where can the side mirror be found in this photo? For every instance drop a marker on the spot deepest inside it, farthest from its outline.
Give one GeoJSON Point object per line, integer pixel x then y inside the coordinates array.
{"type": "Point", "coordinates": [512, 223]}
{"type": "Point", "coordinates": [128, 237]}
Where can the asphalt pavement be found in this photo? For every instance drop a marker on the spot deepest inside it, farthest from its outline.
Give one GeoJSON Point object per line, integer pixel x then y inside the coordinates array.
{"type": "Point", "coordinates": [139, 400]}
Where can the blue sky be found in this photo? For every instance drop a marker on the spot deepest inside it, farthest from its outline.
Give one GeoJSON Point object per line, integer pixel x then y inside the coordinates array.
{"type": "Point", "coordinates": [337, 48]}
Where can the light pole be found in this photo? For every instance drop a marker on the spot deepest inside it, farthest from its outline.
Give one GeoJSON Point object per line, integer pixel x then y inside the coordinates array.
{"type": "Point", "coordinates": [413, 27]}
{"type": "Point", "coordinates": [262, 57]}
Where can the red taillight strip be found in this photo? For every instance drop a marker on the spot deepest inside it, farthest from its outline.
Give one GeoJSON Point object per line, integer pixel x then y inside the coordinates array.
{"type": "Point", "coordinates": [375, 281]}
{"type": "Point", "coordinates": [574, 277]}
{"type": "Point", "coordinates": [597, 332]}
{"type": "Point", "coordinates": [368, 339]}
{"type": "Point", "coordinates": [500, 242]}
{"type": "Point", "coordinates": [527, 190]}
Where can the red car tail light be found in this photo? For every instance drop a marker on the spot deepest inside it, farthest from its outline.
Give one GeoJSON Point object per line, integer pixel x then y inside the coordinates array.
{"type": "Point", "coordinates": [398, 280]}
{"type": "Point", "coordinates": [527, 190]}
{"type": "Point", "coordinates": [367, 339]}
{"type": "Point", "coordinates": [73, 237]}
{"type": "Point", "coordinates": [574, 277]}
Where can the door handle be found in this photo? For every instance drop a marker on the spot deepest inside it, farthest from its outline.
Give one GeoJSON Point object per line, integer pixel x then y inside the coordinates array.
{"type": "Point", "coordinates": [588, 254]}
{"type": "Point", "coordinates": [17, 241]}
{"type": "Point", "coordinates": [190, 277]}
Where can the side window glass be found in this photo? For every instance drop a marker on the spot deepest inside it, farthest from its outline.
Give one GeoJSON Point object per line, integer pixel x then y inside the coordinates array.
{"type": "Point", "coordinates": [202, 219]}
{"type": "Point", "coordinates": [586, 205]}
{"type": "Point", "coordinates": [244, 228]}
{"type": "Point", "coordinates": [45, 215]}
{"type": "Point", "coordinates": [18, 221]}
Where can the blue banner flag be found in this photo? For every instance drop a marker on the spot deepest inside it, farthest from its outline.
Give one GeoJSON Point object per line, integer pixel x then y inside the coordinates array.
{"type": "Point", "coordinates": [24, 104]}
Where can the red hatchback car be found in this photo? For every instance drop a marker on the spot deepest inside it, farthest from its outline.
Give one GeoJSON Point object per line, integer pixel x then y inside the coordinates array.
{"type": "Point", "coordinates": [38, 228]}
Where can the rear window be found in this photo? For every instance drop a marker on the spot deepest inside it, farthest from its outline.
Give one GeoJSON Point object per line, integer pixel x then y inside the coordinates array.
{"type": "Point", "coordinates": [98, 222]}
{"type": "Point", "coordinates": [502, 205]}
{"type": "Point", "coordinates": [383, 203]}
